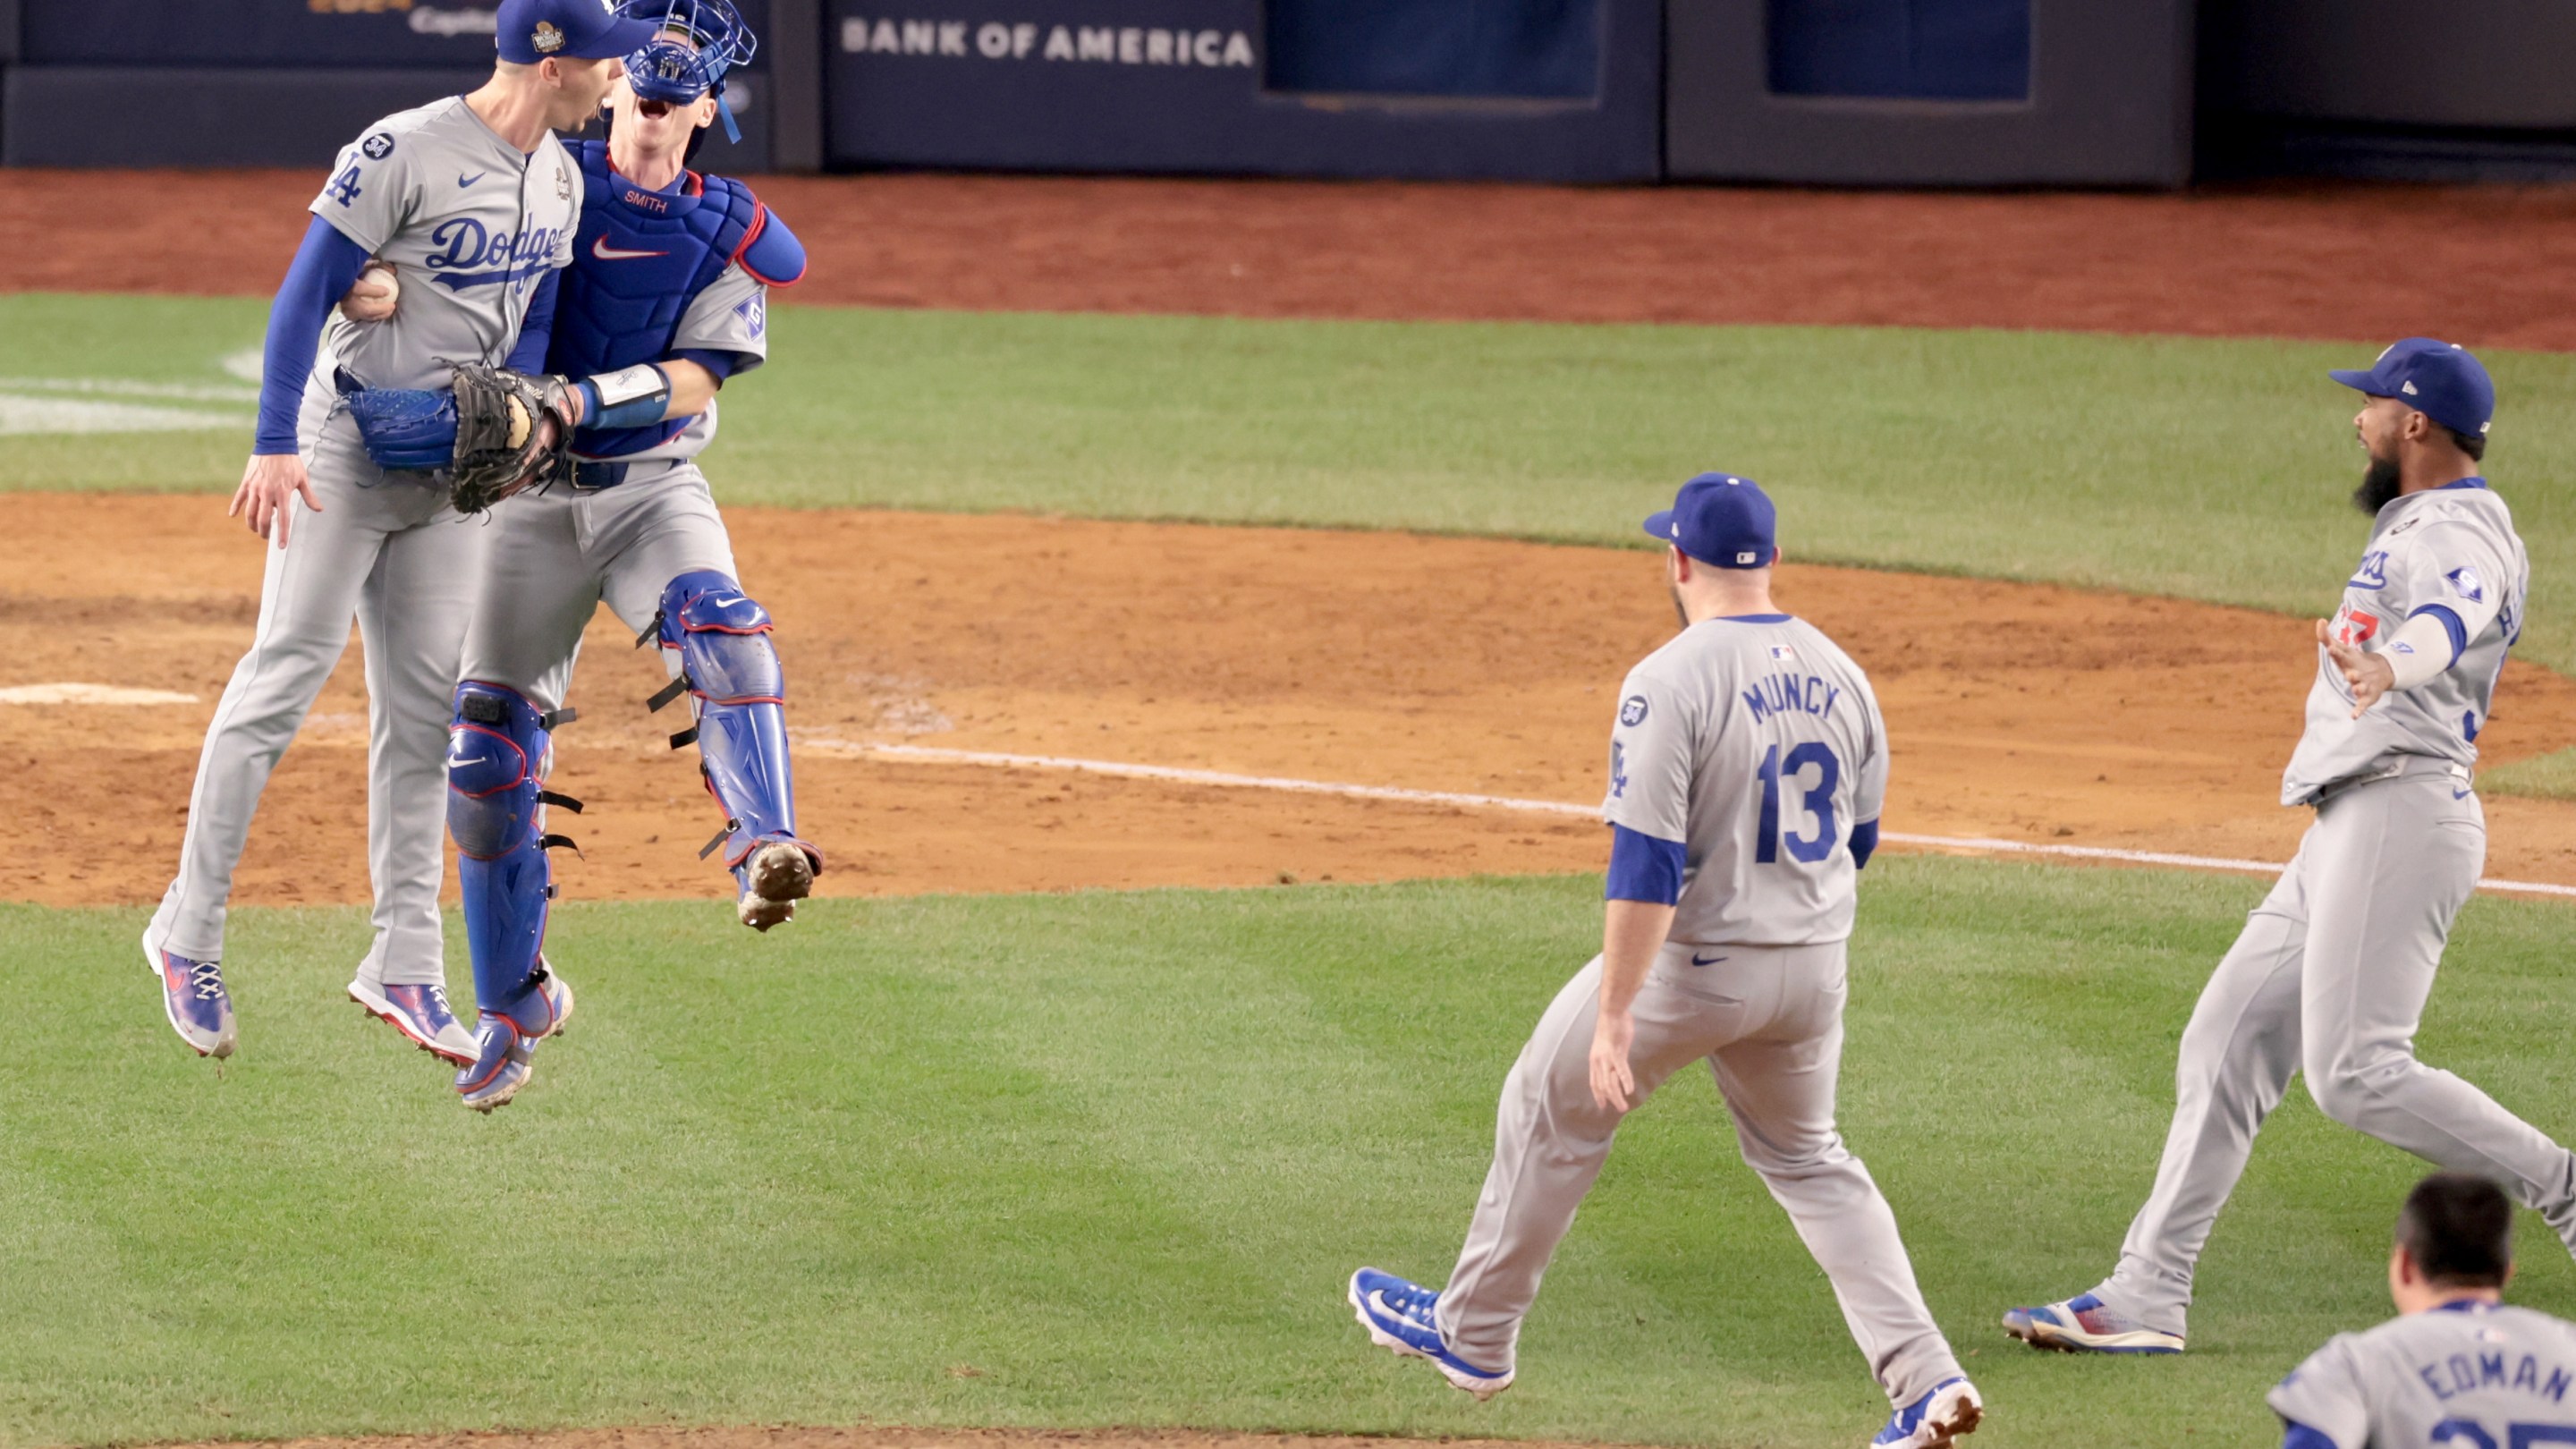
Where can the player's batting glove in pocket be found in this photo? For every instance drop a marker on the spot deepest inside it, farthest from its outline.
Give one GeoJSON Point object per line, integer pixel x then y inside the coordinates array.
{"type": "Point", "coordinates": [406, 428]}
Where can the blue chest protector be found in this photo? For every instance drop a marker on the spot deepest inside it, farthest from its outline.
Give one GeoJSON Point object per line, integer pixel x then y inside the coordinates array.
{"type": "Point", "coordinates": [640, 258]}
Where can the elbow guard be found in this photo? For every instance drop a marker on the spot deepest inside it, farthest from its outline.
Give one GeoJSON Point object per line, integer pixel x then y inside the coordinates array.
{"type": "Point", "coordinates": [631, 397]}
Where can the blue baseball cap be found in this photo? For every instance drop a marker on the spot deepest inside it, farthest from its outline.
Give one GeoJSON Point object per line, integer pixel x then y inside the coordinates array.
{"type": "Point", "coordinates": [2441, 380]}
{"type": "Point", "coordinates": [1721, 520]}
{"type": "Point", "coordinates": [529, 31]}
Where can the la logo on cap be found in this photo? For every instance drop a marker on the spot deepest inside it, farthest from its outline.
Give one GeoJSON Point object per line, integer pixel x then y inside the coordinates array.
{"type": "Point", "coordinates": [546, 39]}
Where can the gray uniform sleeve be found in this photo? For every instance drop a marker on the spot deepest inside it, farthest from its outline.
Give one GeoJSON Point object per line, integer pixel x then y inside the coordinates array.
{"type": "Point", "coordinates": [731, 315]}
{"type": "Point", "coordinates": [2326, 1394]}
{"type": "Point", "coordinates": [374, 189]}
{"type": "Point", "coordinates": [1651, 750]}
{"type": "Point", "coordinates": [2452, 563]}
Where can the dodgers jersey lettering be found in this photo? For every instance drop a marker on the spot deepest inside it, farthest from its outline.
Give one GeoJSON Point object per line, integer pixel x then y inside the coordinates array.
{"type": "Point", "coordinates": [2468, 1377]}
{"type": "Point", "coordinates": [2450, 548]}
{"type": "Point", "coordinates": [471, 226]}
{"type": "Point", "coordinates": [1757, 744]}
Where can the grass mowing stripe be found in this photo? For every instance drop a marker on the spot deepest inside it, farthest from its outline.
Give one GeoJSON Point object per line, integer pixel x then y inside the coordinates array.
{"type": "Point", "coordinates": [1105, 1158]}
{"type": "Point", "coordinates": [2203, 468]}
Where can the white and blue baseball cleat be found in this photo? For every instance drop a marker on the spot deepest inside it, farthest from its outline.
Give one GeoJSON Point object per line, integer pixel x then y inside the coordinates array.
{"type": "Point", "coordinates": [2084, 1324]}
{"type": "Point", "coordinates": [421, 1014]}
{"type": "Point", "coordinates": [1946, 1411]}
{"type": "Point", "coordinates": [1398, 1317]}
{"type": "Point", "coordinates": [193, 997]}
{"type": "Point", "coordinates": [506, 1044]}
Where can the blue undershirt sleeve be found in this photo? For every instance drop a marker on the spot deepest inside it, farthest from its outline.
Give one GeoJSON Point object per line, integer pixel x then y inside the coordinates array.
{"type": "Point", "coordinates": [326, 266]}
{"type": "Point", "coordinates": [2451, 625]}
{"type": "Point", "coordinates": [2295, 1435]}
{"type": "Point", "coordinates": [537, 329]}
{"type": "Point", "coordinates": [722, 364]}
{"type": "Point", "coordinates": [1644, 868]}
{"type": "Point", "coordinates": [1864, 839]}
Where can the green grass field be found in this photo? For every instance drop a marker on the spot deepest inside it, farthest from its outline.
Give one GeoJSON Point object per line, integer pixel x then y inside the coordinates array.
{"type": "Point", "coordinates": [2204, 469]}
{"type": "Point", "coordinates": [1115, 1152]}
{"type": "Point", "coordinates": [1104, 1159]}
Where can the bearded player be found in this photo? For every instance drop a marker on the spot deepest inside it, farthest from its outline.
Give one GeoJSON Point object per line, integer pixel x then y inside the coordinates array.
{"type": "Point", "coordinates": [666, 300]}
{"type": "Point", "coordinates": [2330, 975]}
{"type": "Point", "coordinates": [474, 199]}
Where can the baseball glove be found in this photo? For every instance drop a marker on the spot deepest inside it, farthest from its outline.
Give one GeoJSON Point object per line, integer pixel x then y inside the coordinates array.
{"type": "Point", "coordinates": [511, 435]}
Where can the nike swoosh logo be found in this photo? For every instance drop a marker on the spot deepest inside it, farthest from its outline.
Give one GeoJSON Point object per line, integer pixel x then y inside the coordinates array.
{"type": "Point", "coordinates": [2463, 794]}
{"type": "Point", "coordinates": [1699, 960]}
{"type": "Point", "coordinates": [606, 253]}
{"type": "Point", "coordinates": [477, 760]}
{"type": "Point", "coordinates": [464, 180]}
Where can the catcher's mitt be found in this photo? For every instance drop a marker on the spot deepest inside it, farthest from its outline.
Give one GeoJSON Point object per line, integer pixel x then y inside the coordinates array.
{"type": "Point", "coordinates": [511, 435]}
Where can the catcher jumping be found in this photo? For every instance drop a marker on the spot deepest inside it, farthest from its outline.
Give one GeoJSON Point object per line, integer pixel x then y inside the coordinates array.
{"type": "Point", "coordinates": [590, 478]}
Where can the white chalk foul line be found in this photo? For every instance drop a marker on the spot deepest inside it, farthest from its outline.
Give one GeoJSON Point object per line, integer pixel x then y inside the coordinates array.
{"type": "Point", "coordinates": [1180, 775]}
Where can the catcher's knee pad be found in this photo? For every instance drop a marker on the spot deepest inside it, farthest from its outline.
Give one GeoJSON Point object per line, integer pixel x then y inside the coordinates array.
{"type": "Point", "coordinates": [730, 671]}
{"type": "Point", "coordinates": [498, 753]}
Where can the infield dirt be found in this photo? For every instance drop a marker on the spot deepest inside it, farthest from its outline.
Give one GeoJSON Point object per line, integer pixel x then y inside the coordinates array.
{"type": "Point", "coordinates": [2029, 713]}
{"type": "Point", "coordinates": [2035, 714]}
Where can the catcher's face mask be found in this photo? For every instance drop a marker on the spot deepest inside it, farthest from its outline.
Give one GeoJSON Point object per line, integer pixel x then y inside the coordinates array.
{"type": "Point", "coordinates": [695, 43]}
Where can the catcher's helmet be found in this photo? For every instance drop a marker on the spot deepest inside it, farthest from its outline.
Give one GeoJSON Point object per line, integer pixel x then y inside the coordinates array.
{"type": "Point", "coordinates": [680, 71]}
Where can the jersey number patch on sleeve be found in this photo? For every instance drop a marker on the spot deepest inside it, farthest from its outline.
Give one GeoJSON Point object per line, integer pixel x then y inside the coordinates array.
{"type": "Point", "coordinates": [344, 187]}
{"type": "Point", "coordinates": [1819, 802]}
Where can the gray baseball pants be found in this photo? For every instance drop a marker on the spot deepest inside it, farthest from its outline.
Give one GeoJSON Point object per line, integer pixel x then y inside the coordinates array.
{"type": "Point", "coordinates": [395, 557]}
{"type": "Point", "coordinates": [1769, 1022]}
{"type": "Point", "coordinates": [2330, 978]}
{"type": "Point", "coordinates": [558, 554]}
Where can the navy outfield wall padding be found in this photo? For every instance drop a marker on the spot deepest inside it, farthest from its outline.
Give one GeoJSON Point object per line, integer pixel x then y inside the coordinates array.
{"type": "Point", "coordinates": [279, 33]}
{"type": "Point", "coordinates": [1183, 86]}
{"type": "Point", "coordinates": [166, 116]}
{"type": "Point", "coordinates": [1528, 48]}
{"type": "Point", "coordinates": [2110, 104]}
{"type": "Point", "coordinates": [1948, 50]}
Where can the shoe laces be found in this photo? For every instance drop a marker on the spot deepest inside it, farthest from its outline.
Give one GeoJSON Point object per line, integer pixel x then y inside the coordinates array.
{"type": "Point", "coordinates": [209, 979]}
{"type": "Point", "coordinates": [1413, 1300]}
{"type": "Point", "coordinates": [437, 996]}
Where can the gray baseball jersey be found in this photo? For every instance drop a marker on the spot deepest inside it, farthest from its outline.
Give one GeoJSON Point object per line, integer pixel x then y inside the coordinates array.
{"type": "Point", "coordinates": [731, 315]}
{"type": "Point", "coordinates": [2448, 548]}
{"type": "Point", "coordinates": [496, 222]}
{"type": "Point", "coordinates": [1755, 743]}
{"type": "Point", "coordinates": [2469, 1377]}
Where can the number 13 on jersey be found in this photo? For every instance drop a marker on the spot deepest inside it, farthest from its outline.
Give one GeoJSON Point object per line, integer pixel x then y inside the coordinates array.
{"type": "Point", "coordinates": [1818, 801]}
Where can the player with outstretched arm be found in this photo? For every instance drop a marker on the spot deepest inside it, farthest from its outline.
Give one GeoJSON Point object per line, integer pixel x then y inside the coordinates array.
{"type": "Point", "coordinates": [2332, 970]}
{"type": "Point", "coordinates": [474, 200]}
{"type": "Point", "coordinates": [1746, 774]}
{"type": "Point", "coordinates": [666, 299]}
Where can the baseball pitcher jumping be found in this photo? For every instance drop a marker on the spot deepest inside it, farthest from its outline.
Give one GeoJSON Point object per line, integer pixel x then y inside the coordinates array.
{"type": "Point", "coordinates": [2332, 970]}
{"type": "Point", "coordinates": [474, 200]}
{"type": "Point", "coordinates": [666, 299]}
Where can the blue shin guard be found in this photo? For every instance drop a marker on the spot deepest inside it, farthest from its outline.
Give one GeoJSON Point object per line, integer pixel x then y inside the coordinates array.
{"type": "Point", "coordinates": [730, 671]}
{"type": "Point", "coordinates": [498, 753]}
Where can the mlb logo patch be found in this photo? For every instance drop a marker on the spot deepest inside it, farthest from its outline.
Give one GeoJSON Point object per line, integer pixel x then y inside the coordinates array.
{"type": "Point", "coordinates": [1783, 651]}
{"type": "Point", "coordinates": [1746, 557]}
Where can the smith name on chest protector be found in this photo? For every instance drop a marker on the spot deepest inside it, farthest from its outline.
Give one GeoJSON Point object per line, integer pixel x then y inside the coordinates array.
{"type": "Point", "coordinates": [640, 258]}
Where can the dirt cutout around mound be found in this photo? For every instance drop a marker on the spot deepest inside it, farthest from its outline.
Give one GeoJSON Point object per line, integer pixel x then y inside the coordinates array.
{"type": "Point", "coordinates": [2027, 713]}
{"type": "Point", "coordinates": [2485, 266]}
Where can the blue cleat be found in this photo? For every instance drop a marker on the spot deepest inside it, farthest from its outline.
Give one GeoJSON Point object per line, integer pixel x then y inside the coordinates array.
{"type": "Point", "coordinates": [1946, 1411]}
{"type": "Point", "coordinates": [507, 1043]}
{"type": "Point", "coordinates": [420, 1013]}
{"type": "Point", "coordinates": [193, 996]}
{"type": "Point", "coordinates": [2083, 1324]}
{"type": "Point", "coordinates": [1398, 1317]}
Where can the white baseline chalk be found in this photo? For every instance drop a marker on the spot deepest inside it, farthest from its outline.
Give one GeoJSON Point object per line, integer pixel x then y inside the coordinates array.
{"type": "Point", "coordinates": [1220, 778]}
